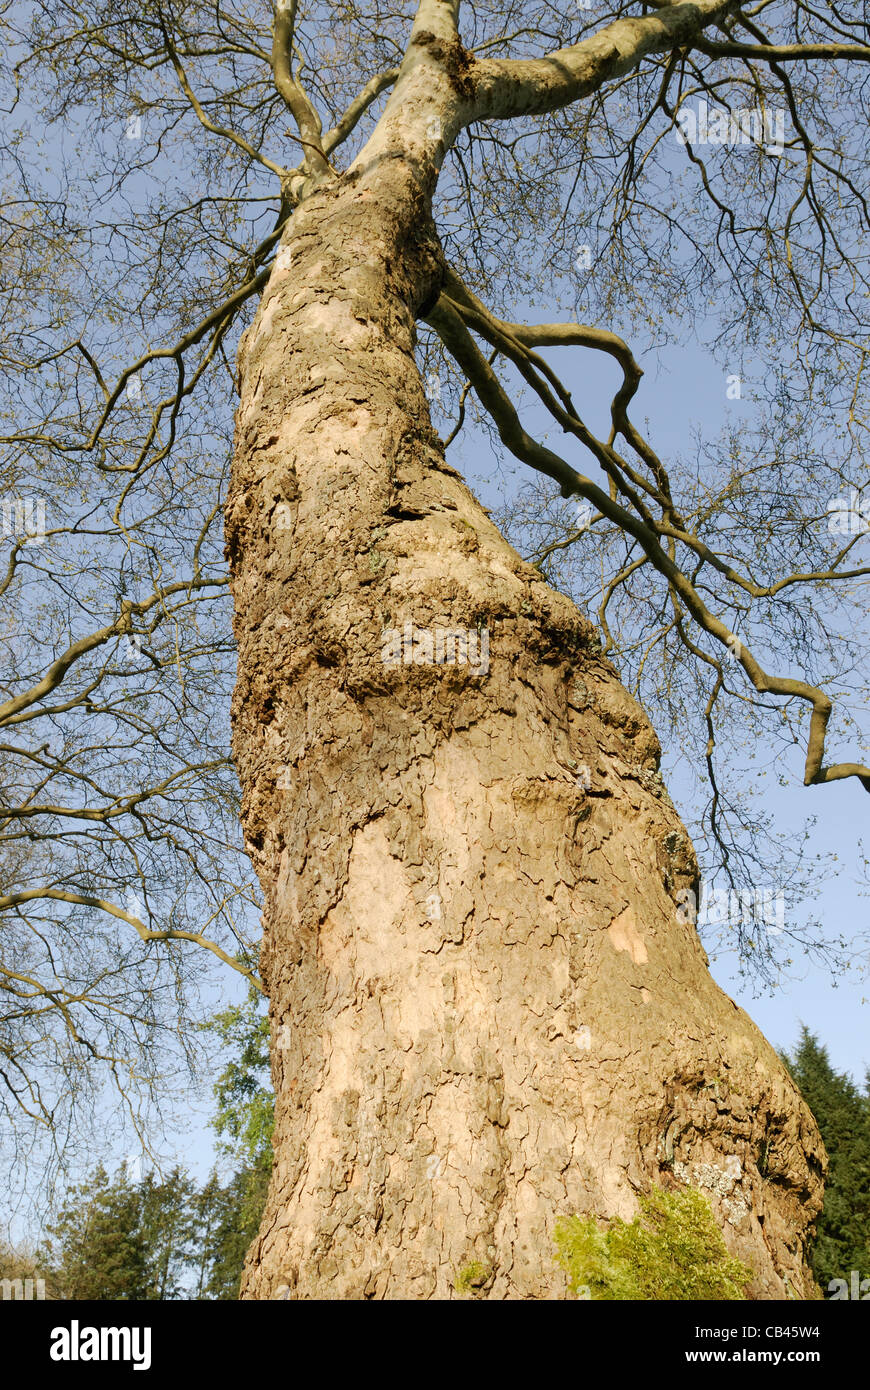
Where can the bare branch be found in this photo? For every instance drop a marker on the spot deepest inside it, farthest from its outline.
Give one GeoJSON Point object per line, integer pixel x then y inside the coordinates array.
{"type": "Point", "coordinates": [9, 900]}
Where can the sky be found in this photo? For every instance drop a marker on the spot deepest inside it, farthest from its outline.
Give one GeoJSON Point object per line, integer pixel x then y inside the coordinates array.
{"type": "Point", "coordinates": [836, 1009]}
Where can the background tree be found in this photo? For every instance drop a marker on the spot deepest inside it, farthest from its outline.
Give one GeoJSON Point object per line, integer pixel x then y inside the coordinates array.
{"type": "Point", "coordinates": [95, 1246]}
{"type": "Point", "coordinates": [20, 1265]}
{"type": "Point", "coordinates": [166, 1237]}
{"type": "Point", "coordinates": [115, 1239]}
{"type": "Point", "coordinates": [244, 1121]}
{"type": "Point", "coordinates": [432, 167]}
{"type": "Point", "coordinates": [842, 1112]}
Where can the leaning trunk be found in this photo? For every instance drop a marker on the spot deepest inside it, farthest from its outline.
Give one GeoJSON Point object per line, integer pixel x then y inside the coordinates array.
{"type": "Point", "coordinates": [486, 1010]}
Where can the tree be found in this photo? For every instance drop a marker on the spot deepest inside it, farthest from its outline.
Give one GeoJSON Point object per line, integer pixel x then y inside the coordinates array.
{"type": "Point", "coordinates": [244, 1122]}
{"type": "Point", "coordinates": [21, 1277]}
{"type": "Point", "coordinates": [114, 1239]}
{"type": "Point", "coordinates": [245, 1114]}
{"type": "Point", "coordinates": [489, 1004]}
{"type": "Point", "coordinates": [842, 1113]}
{"type": "Point", "coordinates": [168, 1231]}
{"type": "Point", "coordinates": [228, 1218]}
{"type": "Point", "coordinates": [94, 1247]}
{"type": "Point", "coordinates": [163, 1237]}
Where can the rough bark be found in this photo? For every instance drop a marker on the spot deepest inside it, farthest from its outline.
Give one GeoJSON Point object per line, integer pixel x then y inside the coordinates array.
{"type": "Point", "coordinates": [486, 1013]}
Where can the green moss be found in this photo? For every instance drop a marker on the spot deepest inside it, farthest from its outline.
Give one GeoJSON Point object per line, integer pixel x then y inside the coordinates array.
{"type": "Point", "coordinates": [672, 1250]}
{"type": "Point", "coordinates": [471, 1277]}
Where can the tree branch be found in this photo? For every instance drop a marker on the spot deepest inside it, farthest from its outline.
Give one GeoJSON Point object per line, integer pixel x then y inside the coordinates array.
{"type": "Point", "coordinates": [508, 87]}
{"type": "Point", "coordinates": [447, 322]}
{"type": "Point", "coordinates": [8, 900]}
{"type": "Point", "coordinates": [357, 109]}
{"type": "Point", "coordinates": [209, 125]}
{"type": "Point", "coordinates": [304, 114]}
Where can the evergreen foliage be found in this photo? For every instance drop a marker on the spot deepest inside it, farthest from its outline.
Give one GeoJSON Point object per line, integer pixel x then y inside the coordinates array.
{"type": "Point", "coordinates": [672, 1250]}
{"type": "Point", "coordinates": [842, 1113]}
{"type": "Point", "coordinates": [166, 1237]}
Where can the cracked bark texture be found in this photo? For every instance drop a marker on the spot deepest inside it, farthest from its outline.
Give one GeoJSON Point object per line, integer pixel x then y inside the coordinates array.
{"type": "Point", "coordinates": [486, 1012]}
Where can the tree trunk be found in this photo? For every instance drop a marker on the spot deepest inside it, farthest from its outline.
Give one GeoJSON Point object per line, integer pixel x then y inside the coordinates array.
{"type": "Point", "coordinates": [486, 1011]}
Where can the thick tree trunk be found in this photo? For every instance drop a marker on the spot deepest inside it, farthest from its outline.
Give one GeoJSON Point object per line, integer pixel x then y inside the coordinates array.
{"type": "Point", "coordinates": [486, 1013]}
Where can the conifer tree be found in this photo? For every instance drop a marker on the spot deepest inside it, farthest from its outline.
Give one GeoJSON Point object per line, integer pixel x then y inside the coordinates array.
{"type": "Point", "coordinates": [842, 1113]}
